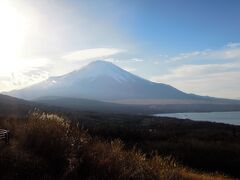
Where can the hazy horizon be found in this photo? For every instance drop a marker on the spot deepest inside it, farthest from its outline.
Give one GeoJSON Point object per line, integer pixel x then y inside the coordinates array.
{"type": "Point", "coordinates": [193, 46]}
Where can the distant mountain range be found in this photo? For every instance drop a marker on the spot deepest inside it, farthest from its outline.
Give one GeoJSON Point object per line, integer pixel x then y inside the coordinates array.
{"type": "Point", "coordinates": [104, 81]}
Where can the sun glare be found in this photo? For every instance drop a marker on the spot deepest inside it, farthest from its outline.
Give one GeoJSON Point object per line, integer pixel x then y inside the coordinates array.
{"type": "Point", "coordinates": [13, 27]}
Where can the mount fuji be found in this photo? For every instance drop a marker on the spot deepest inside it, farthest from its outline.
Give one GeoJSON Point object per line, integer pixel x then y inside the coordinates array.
{"type": "Point", "coordinates": [104, 81]}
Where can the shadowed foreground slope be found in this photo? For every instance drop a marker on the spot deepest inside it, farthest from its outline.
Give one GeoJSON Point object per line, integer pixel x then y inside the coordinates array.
{"type": "Point", "coordinates": [47, 146]}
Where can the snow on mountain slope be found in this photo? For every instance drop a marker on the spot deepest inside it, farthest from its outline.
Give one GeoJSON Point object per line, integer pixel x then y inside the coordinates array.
{"type": "Point", "coordinates": [102, 68]}
{"type": "Point", "coordinates": [101, 80]}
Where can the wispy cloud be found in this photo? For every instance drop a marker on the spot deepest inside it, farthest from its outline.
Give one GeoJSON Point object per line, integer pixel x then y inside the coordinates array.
{"type": "Point", "coordinates": [95, 53]}
{"type": "Point", "coordinates": [208, 79]}
{"type": "Point", "coordinates": [19, 73]}
{"type": "Point", "coordinates": [230, 51]}
{"type": "Point", "coordinates": [136, 60]}
{"type": "Point", "coordinates": [233, 45]}
{"type": "Point", "coordinates": [18, 80]}
{"type": "Point", "coordinates": [21, 64]}
{"type": "Point", "coordinates": [184, 56]}
{"type": "Point", "coordinates": [24, 79]}
{"type": "Point", "coordinates": [214, 72]}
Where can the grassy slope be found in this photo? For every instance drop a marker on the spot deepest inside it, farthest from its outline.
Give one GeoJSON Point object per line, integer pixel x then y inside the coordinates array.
{"type": "Point", "coordinates": [201, 145]}
{"type": "Point", "coordinates": [47, 146]}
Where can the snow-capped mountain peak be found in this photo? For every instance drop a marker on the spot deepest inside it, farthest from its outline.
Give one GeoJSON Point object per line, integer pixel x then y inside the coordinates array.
{"type": "Point", "coordinates": [103, 69]}
{"type": "Point", "coordinates": [99, 80]}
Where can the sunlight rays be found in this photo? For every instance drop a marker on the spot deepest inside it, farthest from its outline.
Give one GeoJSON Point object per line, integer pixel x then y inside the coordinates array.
{"type": "Point", "coordinates": [13, 30]}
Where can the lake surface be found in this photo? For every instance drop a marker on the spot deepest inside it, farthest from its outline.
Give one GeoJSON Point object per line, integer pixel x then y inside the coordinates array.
{"type": "Point", "coordinates": [232, 117]}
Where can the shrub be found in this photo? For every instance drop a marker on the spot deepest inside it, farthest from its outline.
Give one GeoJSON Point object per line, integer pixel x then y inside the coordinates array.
{"type": "Point", "coordinates": [103, 160]}
{"type": "Point", "coordinates": [46, 136]}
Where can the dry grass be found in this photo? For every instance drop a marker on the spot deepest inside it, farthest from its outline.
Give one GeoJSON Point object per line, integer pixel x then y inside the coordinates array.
{"type": "Point", "coordinates": [48, 146]}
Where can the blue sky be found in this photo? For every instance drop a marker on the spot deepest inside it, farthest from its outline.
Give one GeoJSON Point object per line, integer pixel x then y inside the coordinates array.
{"type": "Point", "coordinates": [190, 44]}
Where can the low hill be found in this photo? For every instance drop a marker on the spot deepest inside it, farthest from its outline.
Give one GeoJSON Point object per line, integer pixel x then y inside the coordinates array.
{"type": "Point", "coordinates": [14, 106]}
{"type": "Point", "coordinates": [91, 105]}
{"type": "Point", "coordinates": [108, 107]}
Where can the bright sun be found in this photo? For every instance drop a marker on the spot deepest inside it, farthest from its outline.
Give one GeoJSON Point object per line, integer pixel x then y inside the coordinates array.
{"type": "Point", "coordinates": [13, 27]}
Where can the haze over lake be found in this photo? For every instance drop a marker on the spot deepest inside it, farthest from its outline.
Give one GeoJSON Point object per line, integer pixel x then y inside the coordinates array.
{"type": "Point", "coordinates": [232, 117]}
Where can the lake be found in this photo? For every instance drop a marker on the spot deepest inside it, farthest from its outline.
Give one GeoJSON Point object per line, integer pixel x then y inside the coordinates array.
{"type": "Point", "coordinates": [232, 117]}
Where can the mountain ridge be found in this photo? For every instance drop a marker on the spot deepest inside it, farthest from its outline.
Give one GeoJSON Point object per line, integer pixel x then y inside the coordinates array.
{"type": "Point", "coordinates": [104, 81]}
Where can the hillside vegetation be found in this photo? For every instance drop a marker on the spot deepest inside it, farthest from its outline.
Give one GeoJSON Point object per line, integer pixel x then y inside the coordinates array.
{"type": "Point", "coordinates": [206, 146]}
{"type": "Point", "coordinates": [46, 146]}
